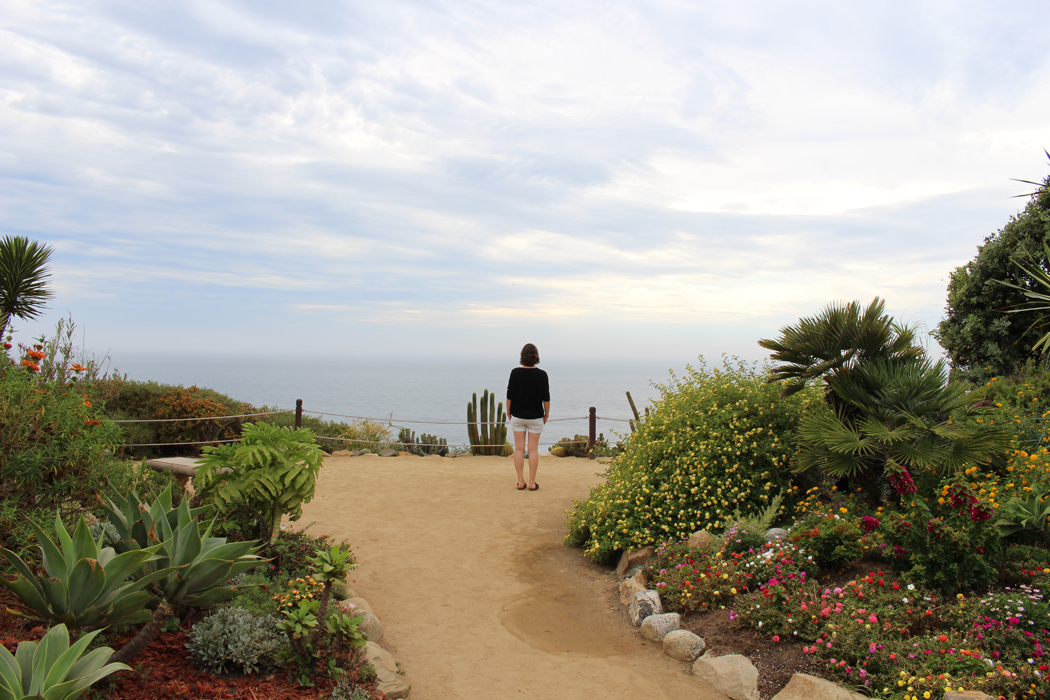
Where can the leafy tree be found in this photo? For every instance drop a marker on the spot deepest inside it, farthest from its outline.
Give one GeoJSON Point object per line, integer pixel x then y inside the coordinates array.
{"type": "Point", "coordinates": [23, 278]}
{"type": "Point", "coordinates": [981, 339]}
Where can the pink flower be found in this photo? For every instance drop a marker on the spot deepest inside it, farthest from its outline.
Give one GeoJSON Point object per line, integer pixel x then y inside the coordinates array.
{"type": "Point", "coordinates": [776, 638]}
{"type": "Point", "coordinates": [872, 618]}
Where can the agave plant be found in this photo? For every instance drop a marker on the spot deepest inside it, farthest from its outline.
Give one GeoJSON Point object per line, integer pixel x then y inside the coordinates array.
{"type": "Point", "coordinates": [1026, 514]}
{"type": "Point", "coordinates": [86, 584]}
{"type": "Point", "coordinates": [189, 567]}
{"type": "Point", "coordinates": [52, 669]}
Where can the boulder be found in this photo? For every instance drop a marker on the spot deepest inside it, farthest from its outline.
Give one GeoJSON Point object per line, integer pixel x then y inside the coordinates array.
{"type": "Point", "coordinates": [966, 695]}
{"type": "Point", "coordinates": [634, 558]}
{"type": "Point", "coordinates": [656, 627]}
{"type": "Point", "coordinates": [645, 603]}
{"type": "Point", "coordinates": [342, 453]}
{"type": "Point", "coordinates": [803, 686]}
{"type": "Point", "coordinates": [388, 453]}
{"type": "Point", "coordinates": [683, 645]}
{"type": "Point", "coordinates": [360, 605]}
{"type": "Point", "coordinates": [701, 539]}
{"type": "Point", "coordinates": [370, 625]}
{"type": "Point", "coordinates": [389, 679]}
{"type": "Point", "coordinates": [733, 675]}
{"type": "Point", "coordinates": [630, 586]}
{"type": "Point", "coordinates": [776, 533]}
{"type": "Point", "coordinates": [355, 453]}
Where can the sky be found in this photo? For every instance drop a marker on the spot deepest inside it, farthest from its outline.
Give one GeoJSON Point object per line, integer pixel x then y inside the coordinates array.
{"type": "Point", "coordinates": [609, 180]}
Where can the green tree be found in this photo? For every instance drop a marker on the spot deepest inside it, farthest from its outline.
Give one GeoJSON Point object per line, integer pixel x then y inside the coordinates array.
{"type": "Point", "coordinates": [23, 279]}
{"type": "Point", "coordinates": [981, 339]}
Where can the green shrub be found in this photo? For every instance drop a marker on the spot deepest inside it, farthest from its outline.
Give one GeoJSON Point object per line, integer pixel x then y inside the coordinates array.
{"type": "Point", "coordinates": [950, 544]}
{"type": "Point", "coordinates": [833, 542]}
{"type": "Point", "coordinates": [716, 442]}
{"type": "Point", "coordinates": [54, 449]}
{"type": "Point", "coordinates": [233, 639]}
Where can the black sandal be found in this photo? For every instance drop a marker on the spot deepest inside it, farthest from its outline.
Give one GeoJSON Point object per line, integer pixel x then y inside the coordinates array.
{"type": "Point", "coordinates": [522, 487]}
{"type": "Point", "coordinates": [534, 488]}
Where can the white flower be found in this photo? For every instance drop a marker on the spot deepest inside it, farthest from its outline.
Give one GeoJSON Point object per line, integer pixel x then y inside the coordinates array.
{"type": "Point", "coordinates": [911, 586]}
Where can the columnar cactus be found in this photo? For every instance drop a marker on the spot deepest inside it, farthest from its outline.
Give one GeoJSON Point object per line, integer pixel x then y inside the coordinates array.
{"type": "Point", "coordinates": [488, 436]}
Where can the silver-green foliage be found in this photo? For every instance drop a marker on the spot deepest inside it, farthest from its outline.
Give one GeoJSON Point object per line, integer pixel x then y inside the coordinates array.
{"type": "Point", "coordinates": [271, 470]}
{"type": "Point", "coordinates": [233, 639]}
{"type": "Point", "coordinates": [52, 669]}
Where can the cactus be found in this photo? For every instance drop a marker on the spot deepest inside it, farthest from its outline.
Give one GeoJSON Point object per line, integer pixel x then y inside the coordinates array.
{"type": "Point", "coordinates": [488, 436]}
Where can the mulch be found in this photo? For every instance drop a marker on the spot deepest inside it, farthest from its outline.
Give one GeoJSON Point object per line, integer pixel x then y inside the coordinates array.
{"type": "Point", "coordinates": [164, 671]}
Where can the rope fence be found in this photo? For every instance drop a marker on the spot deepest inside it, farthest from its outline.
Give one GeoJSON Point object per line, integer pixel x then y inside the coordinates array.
{"type": "Point", "coordinates": [592, 419]}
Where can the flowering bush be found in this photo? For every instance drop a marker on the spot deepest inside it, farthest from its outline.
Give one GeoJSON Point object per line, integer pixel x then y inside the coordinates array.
{"type": "Point", "coordinates": [950, 544]}
{"type": "Point", "coordinates": [832, 540]}
{"type": "Point", "coordinates": [716, 443]}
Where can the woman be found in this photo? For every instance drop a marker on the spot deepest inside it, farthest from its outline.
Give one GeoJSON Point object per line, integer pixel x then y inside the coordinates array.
{"type": "Point", "coordinates": [529, 405]}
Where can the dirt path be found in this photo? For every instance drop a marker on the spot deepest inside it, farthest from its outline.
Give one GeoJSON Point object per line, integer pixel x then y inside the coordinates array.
{"type": "Point", "coordinates": [478, 596]}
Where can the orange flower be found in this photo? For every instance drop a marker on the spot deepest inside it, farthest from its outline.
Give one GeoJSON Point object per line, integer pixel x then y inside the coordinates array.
{"type": "Point", "coordinates": [77, 368]}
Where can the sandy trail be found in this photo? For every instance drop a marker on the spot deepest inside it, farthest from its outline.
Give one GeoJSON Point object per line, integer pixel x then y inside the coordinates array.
{"type": "Point", "coordinates": [477, 594]}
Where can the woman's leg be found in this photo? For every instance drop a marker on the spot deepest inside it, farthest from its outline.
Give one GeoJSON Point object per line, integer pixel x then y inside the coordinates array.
{"type": "Point", "coordinates": [534, 457]}
{"type": "Point", "coordinates": [519, 456]}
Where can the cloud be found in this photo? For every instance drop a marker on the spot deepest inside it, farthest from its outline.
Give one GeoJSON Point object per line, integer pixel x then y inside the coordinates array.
{"type": "Point", "coordinates": [438, 166]}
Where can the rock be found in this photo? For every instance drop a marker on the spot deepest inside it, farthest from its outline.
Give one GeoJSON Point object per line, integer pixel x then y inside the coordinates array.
{"type": "Point", "coordinates": [683, 645]}
{"type": "Point", "coordinates": [645, 603]}
{"type": "Point", "coordinates": [701, 540]}
{"type": "Point", "coordinates": [966, 695]}
{"type": "Point", "coordinates": [656, 627]}
{"type": "Point", "coordinates": [342, 453]}
{"type": "Point", "coordinates": [630, 586]}
{"type": "Point", "coordinates": [355, 453]}
{"type": "Point", "coordinates": [360, 604]}
{"type": "Point", "coordinates": [732, 675]}
{"type": "Point", "coordinates": [370, 625]}
{"type": "Point", "coordinates": [634, 571]}
{"type": "Point", "coordinates": [388, 453]}
{"type": "Point", "coordinates": [389, 680]}
{"type": "Point", "coordinates": [776, 533]}
{"type": "Point", "coordinates": [404, 453]}
{"type": "Point", "coordinates": [634, 558]}
{"type": "Point", "coordinates": [803, 686]}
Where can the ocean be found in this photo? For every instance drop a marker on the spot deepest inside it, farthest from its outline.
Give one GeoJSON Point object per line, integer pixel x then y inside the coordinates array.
{"type": "Point", "coordinates": [402, 391]}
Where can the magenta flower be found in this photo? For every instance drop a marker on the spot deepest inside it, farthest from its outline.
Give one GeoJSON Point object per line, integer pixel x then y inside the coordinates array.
{"type": "Point", "coordinates": [868, 523]}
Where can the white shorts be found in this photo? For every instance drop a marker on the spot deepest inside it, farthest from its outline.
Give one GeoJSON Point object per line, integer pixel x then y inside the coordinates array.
{"type": "Point", "coordinates": [526, 425]}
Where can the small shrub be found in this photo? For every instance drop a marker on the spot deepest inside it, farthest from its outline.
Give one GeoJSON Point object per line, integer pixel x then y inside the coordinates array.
{"type": "Point", "coordinates": [347, 689]}
{"type": "Point", "coordinates": [715, 443]}
{"type": "Point", "coordinates": [834, 542]}
{"type": "Point", "coordinates": [741, 537]}
{"type": "Point", "coordinates": [233, 639]}
{"type": "Point", "coordinates": [951, 544]}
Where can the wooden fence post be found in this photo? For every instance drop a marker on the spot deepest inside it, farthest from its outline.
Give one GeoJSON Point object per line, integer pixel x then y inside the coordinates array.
{"type": "Point", "coordinates": [592, 425]}
{"type": "Point", "coordinates": [298, 413]}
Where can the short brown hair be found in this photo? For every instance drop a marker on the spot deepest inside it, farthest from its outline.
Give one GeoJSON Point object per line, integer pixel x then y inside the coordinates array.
{"type": "Point", "coordinates": [530, 355]}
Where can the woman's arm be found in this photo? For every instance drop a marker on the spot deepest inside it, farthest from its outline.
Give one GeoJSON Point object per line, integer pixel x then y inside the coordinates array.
{"type": "Point", "coordinates": [546, 410]}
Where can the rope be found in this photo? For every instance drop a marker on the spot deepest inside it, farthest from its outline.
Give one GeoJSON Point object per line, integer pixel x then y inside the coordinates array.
{"type": "Point", "coordinates": [618, 420]}
{"type": "Point", "coordinates": [183, 420]}
{"type": "Point", "coordinates": [429, 444]}
{"type": "Point", "coordinates": [391, 420]}
{"type": "Point", "coordinates": [174, 444]}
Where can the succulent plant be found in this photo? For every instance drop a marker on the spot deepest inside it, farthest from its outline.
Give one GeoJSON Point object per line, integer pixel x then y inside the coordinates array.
{"type": "Point", "coordinates": [87, 584]}
{"type": "Point", "coordinates": [488, 433]}
{"type": "Point", "coordinates": [232, 639]}
{"type": "Point", "coordinates": [52, 669]}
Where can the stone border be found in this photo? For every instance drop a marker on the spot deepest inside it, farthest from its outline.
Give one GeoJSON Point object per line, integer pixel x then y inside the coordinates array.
{"type": "Point", "coordinates": [390, 679]}
{"type": "Point", "coordinates": [732, 675]}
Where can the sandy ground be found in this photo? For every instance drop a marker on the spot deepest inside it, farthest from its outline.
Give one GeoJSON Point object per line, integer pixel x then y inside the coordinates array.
{"type": "Point", "coordinates": [478, 597]}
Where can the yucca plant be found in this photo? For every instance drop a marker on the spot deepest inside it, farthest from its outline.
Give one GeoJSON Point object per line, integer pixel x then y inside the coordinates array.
{"type": "Point", "coordinates": [272, 471]}
{"type": "Point", "coordinates": [52, 669]}
{"type": "Point", "coordinates": [87, 584]}
{"type": "Point", "coordinates": [23, 279]}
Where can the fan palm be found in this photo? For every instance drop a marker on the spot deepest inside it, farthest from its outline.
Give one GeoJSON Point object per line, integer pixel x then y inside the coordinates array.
{"type": "Point", "coordinates": [1039, 301]}
{"type": "Point", "coordinates": [838, 339]}
{"type": "Point", "coordinates": [23, 278]}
